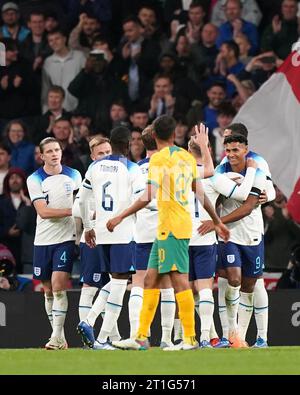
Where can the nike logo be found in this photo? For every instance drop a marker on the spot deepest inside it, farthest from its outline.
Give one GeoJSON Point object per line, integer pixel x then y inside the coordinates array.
{"type": "Point", "coordinates": [61, 265]}
{"type": "Point", "coordinates": [46, 191]}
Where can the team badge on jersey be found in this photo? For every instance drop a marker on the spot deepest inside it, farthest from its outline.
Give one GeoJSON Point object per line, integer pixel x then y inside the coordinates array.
{"type": "Point", "coordinates": [230, 258]}
{"type": "Point", "coordinates": [96, 277]}
{"type": "Point", "coordinates": [37, 271]}
{"type": "Point", "coordinates": [68, 188]}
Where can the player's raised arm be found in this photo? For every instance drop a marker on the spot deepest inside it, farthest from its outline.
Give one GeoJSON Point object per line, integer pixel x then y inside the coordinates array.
{"type": "Point", "coordinates": [201, 139]}
{"type": "Point", "coordinates": [220, 228]}
{"type": "Point", "coordinates": [141, 202]}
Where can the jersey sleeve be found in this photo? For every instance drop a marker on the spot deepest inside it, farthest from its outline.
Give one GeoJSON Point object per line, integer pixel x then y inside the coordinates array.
{"type": "Point", "coordinates": [137, 180]}
{"type": "Point", "coordinates": [75, 208]}
{"type": "Point", "coordinates": [34, 186]}
{"type": "Point", "coordinates": [259, 183]}
{"type": "Point", "coordinates": [86, 183]}
{"type": "Point", "coordinates": [77, 179]}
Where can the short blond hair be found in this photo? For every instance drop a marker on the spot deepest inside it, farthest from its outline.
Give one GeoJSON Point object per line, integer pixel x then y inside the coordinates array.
{"type": "Point", "coordinates": [97, 140]}
{"type": "Point", "coordinates": [148, 139]}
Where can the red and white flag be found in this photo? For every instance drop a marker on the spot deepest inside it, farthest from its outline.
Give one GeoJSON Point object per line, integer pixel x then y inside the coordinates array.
{"type": "Point", "coordinates": [272, 116]}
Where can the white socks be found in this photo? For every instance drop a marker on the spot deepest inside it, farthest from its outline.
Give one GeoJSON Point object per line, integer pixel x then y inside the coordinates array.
{"type": "Point", "coordinates": [113, 307]}
{"type": "Point", "coordinates": [232, 297]}
{"type": "Point", "coordinates": [222, 285]}
{"type": "Point", "coordinates": [245, 311]}
{"type": "Point", "coordinates": [213, 333]}
{"type": "Point", "coordinates": [167, 309]}
{"type": "Point", "coordinates": [134, 308]}
{"type": "Point", "coordinates": [86, 301]}
{"type": "Point", "coordinates": [178, 331]}
{"type": "Point", "coordinates": [206, 311]}
{"type": "Point", "coordinates": [59, 311]}
{"type": "Point", "coordinates": [99, 304]}
{"type": "Point", "coordinates": [261, 302]}
{"type": "Point", "coordinates": [48, 308]}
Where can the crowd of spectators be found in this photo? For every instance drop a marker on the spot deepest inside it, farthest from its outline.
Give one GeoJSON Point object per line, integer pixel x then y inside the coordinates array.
{"type": "Point", "coordinates": [77, 68]}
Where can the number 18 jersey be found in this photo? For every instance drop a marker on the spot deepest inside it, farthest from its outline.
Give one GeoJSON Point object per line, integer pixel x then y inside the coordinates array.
{"type": "Point", "coordinates": [115, 182]}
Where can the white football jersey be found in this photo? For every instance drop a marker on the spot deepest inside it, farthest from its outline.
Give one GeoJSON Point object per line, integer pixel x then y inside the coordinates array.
{"type": "Point", "coordinates": [147, 218]}
{"type": "Point", "coordinates": [57, 190]}
{"type": "Point", "coordinates": [246, 231]}
{"type": "Point", "coordinates": [218, 184]}
{"type": "Point", "coordinates": [115, 182]}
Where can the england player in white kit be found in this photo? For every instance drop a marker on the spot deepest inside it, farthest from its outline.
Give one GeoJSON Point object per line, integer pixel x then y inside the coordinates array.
{"type": "Point", "coordinates": [90, 270]}
{"type": "Point", "coordinates": [114, 182]}
{"type": "Point", "coordinates": [51, 190]}
{"type": "Point", "coordinates": [243, 254]}
{"type": "Point", "coordinates": [260, 293]}
{"type": "Point", "coordinates": [203, 249]}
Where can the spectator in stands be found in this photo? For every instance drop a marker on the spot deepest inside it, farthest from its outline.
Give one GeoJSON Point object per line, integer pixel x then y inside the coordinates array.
{"type": "Point", "coordinates": [5, 156]}
{"type": "Point", "coordinates": [22, 151]}
{"type": "Point", "coordinates": [235, 25]}
{"type": "Point", "coordinates": [136, 147]}
{"type": "Point", "coordinates": [96, 89]}
{"type": "Point", "coordinates": [9, 280]}
{"type": "Point", "coordinates": [281, 233]}
{"type": "Point", "coordinates": [181, 131]}
{"type": "Point", "coordinates": [51, 21]}
{"type": "Point", "coordinates": [208, 113]}
{"type": "Point", "coordinates": [11, 27]}
{"type": "Point", "coordinates": [118, 114]}
{"type": "Point", "coordinates": [244, 47]}
{"type": "Point", "coordinates": [163, 101]}
{"type": "Point", "coordinates": [195, 23]}
{"type": "Point", "coordinates": [61, 68]}
{"type": "Point", "coordinates": [250, 12]}
{"type": "Point", "coordinates": [102, 9]}
{"type": "Point", "coordinates": [16, 84]}
{"type": "Point", "coordinates": [244, 89]}
{"type": "Point", "coordinates": [44, 123]}
{"type": "Point", "coordinates": [81, 124]}
{"type": "Point", "coordinates": [139, 117]}
{"type": "Point", "coordinates": [115, 65]}
{"type": "Point", "coordinates": [38, 161]}
{"type": "Point", "coordinates": [227, 62]}
{"type": "Point", "coordinates": [140, 56]}
{"type": "Point", "coordinates": [260, 68]}
{"type": "Point", "coordinates": [147, 16]}
{"type": "Point", "coordinates": [283, 31]}
{"type": "Point", "coordinates": [35, 47]}
{"type": "Point", "coordinates": [206, 51]}
{"type": "Point", "coordinates": [15, 195]}
{"type": "Point", "coordinates": [81, 37]}
{"type": "Point", "coordinates": [225, 114]}
{"type": "Point", "coordinates": [63, 132]}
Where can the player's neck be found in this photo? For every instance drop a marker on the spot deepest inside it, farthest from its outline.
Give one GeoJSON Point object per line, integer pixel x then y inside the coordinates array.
{"type": "Point", "coordinates": [52, 170]}
{"type": "Point", "coordinates": [161, 144]}
{"type": "Point", "coordinates": [238, 168]}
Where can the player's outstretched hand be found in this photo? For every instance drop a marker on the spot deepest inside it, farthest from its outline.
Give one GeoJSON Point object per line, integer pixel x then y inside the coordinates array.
{"type": "Point", "coordinates": [90, 238]}
{"type": "Point", "coordinates": [112, 223]}
{"type": "Point", "coordinates": [206, 227]}
{"type": "Point", "coordinates": [201, 135]}
{"type": "Point", "coordinates": [222, 231]}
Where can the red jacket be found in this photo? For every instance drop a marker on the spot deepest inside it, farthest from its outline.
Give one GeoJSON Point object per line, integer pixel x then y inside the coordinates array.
{"type": "Point", "coordinates": [293, 204]}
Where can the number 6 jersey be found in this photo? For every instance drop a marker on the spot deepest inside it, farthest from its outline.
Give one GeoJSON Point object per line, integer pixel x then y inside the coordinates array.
{"type": "Point", "coordinates": [115, 183]}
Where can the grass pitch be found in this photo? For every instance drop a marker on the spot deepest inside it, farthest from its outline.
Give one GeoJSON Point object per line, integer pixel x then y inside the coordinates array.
{"type": "Point", "coordinates": [274, 360]}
